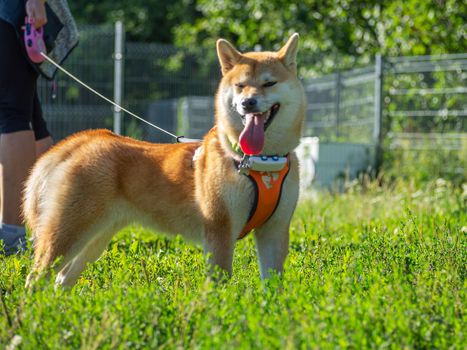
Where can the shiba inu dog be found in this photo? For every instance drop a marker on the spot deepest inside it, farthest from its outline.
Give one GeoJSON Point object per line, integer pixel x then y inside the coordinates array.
{"type": "Point", "coordinates": [87, 187]}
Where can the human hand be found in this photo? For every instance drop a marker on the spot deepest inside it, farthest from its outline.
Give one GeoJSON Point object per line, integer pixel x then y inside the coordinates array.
{"type": "Point", "coordinates": [35, 9]}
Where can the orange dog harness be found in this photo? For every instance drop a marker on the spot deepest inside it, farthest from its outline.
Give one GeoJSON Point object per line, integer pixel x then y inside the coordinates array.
{"type": "Point", "coordinates": [268, 189]}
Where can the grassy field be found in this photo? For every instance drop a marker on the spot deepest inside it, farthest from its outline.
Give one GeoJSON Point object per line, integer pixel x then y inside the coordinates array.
{"type": "Point", "coordinates": [373, 268]}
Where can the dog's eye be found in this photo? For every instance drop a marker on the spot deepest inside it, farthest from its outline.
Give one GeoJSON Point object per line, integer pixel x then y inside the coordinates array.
{"type": "Point", "coordinates": [240, 86]}
{"type": "Point", "coordinates": [269, 83]}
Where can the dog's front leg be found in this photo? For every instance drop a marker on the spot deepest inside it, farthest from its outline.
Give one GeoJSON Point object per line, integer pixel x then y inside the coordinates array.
{"type": "Point", "coordinates": [218, 239]}
{"type": "Point", "coordinates": [272, 238]}
{"type": "Point", "coordinates": [272, 246]}
{"type": "Point", "coordinates": [219, 244]}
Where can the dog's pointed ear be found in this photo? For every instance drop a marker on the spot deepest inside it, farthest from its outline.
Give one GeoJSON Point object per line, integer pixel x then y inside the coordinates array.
{"type": "Point", "coordinates": [228, 55]}
{"type": "Point", "coordinates": [288, 53]}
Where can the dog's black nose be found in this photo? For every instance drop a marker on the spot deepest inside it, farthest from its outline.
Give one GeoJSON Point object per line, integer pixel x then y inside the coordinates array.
{"type": "Point", "coordinates": [249, 103]}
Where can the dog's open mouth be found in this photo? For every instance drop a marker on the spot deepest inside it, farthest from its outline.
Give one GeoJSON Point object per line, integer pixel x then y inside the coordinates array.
{"type": "Point", "coordinates": [251, 139]}
{"type": "Point", "coordinates": [268, 115]}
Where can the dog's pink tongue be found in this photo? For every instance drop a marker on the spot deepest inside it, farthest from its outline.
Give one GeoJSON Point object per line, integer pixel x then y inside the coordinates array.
{"type": "Point", "coordinates": [252, 137]}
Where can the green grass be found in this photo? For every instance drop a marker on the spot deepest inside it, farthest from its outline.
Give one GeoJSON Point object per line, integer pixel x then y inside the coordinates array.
{"type": "Point", "coordinates": [372, 268]}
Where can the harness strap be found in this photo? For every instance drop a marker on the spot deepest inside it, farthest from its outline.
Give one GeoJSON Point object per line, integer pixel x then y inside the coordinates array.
{"type": "Point", "coordinates": [268, 189]}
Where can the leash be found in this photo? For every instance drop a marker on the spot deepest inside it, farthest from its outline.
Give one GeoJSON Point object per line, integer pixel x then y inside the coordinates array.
{"type": "Point", "coordinates": [35, 48]}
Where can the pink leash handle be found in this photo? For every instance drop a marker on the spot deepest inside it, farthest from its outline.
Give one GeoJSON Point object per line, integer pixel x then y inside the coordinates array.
{"type": "Point", "coordinates": [34, 41]}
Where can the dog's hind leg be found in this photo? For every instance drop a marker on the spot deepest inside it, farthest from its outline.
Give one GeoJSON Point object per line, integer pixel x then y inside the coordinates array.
{"type": "Point", "coordinates": [51, 242]}
{"type": "Point", "coordinates": [58, 238]}
{"type": "Point", "coordinates": [70, 273]}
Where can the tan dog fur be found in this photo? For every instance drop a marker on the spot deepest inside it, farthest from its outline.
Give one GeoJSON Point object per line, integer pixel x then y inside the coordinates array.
{"type": "Point", "coordinates": [90, 185]}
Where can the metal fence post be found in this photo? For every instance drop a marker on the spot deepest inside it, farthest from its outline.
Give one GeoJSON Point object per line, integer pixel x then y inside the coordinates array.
{"type": "Point", "coordinates": [378, 109]}
{"type": "Point", "coordinates": [337, 105]}
{"type": "Point", "coordinates": [118, 75]}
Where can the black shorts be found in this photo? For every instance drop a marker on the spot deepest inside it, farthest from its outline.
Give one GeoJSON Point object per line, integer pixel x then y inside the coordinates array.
{"type": "Point", "coordinates": [20, 108]}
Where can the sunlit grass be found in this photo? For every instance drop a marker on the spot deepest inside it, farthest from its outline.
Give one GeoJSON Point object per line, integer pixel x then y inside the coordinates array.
{"type": "Point", "coordinates": [371, 268]}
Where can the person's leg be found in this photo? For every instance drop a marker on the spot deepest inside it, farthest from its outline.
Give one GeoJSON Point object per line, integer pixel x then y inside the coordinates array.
{"type": "Point", "coordinates": [17, 141]}
{"type": "Point", "coordinates": [41, 133]}
{"type": "Point", "coordinates": [43, 145]}
{"type": "Point", "coordinates": [17, 155]}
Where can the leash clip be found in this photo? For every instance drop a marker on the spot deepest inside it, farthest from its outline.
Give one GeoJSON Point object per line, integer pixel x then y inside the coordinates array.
{"type": "Point", "coordinates": [34, 41]}
{"type": "Point", "coordinates": [244, 165]}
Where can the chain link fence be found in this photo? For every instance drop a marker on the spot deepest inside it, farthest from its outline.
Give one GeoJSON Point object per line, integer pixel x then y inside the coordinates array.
{"type": "Point", "coordinates": [341, 106]}
{"type": "Point", "coordinates": [67, 106]}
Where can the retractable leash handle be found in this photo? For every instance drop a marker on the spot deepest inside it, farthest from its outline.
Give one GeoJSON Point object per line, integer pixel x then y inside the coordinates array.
{"type": "Point", "coordinates": [34, 41]}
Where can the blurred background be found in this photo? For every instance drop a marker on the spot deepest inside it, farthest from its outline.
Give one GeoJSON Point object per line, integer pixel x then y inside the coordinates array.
{"type": "Point", "coordinates": [385, 80]}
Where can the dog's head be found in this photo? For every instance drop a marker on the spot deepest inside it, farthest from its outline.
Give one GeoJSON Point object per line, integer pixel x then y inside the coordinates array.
{"type": "Point", "coordinates": [260, 102]}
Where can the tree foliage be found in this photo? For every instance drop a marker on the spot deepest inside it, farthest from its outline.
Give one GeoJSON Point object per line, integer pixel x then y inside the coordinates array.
{"type": "Point", "coordinates": [145, 20]}
{"type": "Point", "coordinates": [352, 31]}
